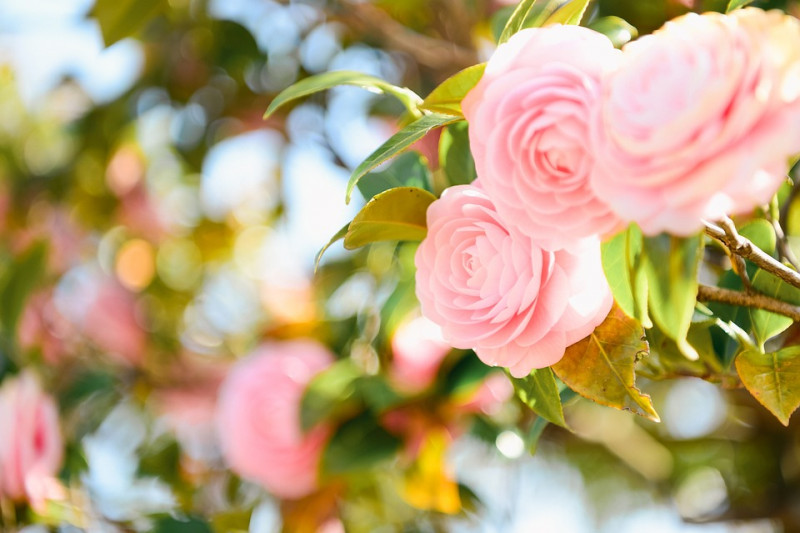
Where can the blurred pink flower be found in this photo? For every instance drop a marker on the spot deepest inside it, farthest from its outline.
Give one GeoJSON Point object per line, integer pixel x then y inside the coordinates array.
{"type": "Point", "coordinates": [258, 417]}
{"type": "Point", "coordinates": [529, 132]}
{"type": "Point", "coordinates": [490, 396]}
{"type": "Point", "coordinates": [700, 119]}
{"type": "Point", "coordinates": [31, 449]}
{"type": "Point", "coordinates": [498, 292]}
{"type": "Point", "coordinates": [40, 326]}
{"type": "Point", "coordinates": [110, 322]}
{"type": "Point", "coordinates": [418, 349]}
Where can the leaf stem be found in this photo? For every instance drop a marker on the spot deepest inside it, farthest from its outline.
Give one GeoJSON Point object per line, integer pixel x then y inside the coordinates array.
{"type": "Point", "coordinates": [741, 246]}
{"type": "Point", "coordinates": [706, 293]}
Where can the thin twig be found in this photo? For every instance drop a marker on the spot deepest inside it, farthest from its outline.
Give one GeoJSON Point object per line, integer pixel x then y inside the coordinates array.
{"type": "Point", "coordinates": [706, 293]}
{"type": "Point", "coordinates": [742, 246]}
{"type": "Point", "coordinates": [737, 261]}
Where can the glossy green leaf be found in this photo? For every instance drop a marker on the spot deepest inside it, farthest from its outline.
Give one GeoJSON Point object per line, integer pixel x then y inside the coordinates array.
{"type": "Point", "coordinates": [446, 98]}
{"type": "Point", "coordinates": [622, 264]}
{"type": "Point", "coordinates": [535, 434]}
{"type": "Point", "coordinates": [21, 279]}
{"type": "Point", "coordinates": [330, 392]}
{"type": "Point", "coordinates": [538, 390]}
{"type": "Point", "coordinates": [327, 80]}
{"type": "Point", "coordinates": [455, 157]}
{"type": "Point", "coordinates": [398, 143]}
{"type": "Point", "coordinates": [338, 236]}
{"type": "Point", "coordinates": [529, 14]}
{"type": "Point", "coordinates": [769, 284]}
{"type": "Point", "coordinates": [119, 19]}
{"type": "Point", "coordinates": [407, 170]}
{"type": "Point", "coordinates": [737, 4]}
{"type": "Point", "coordinates": [760, 233]}
{"type": "Point", "coordinates": [764, 323]}
{"type": "Point", "coordinates": [569, 13]}
{"type": "Point", "coordinates": [671, 265]}
{"type": "Point", "coordinates": [395, 215]}
{"type": "Point", "coordinates": [618, 30]}
{"type": "Point", "coordinates": [358, 445]}
{"type": "Point", "coordinates": [601, 366]}
{"type": "Point", "coordinates": [773, 379]}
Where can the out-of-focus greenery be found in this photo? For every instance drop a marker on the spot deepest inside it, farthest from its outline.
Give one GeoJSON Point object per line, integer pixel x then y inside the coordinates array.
{"type": "Point", "coordinates": [149, 239]}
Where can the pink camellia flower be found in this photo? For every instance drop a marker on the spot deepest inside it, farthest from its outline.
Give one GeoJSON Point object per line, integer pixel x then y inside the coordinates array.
{"type": "Point", "coordinates": [418, 349]}
{"type": "Point", "coordinates": [258, 417]}
{"type": "Point", "coordinates": [529, 132]}
{"type": "Point", "coordinates": [499, 292]}
{"type": "Point", "coordinates": [31, 448]}
{"type": "Point", "coordinates": [700, 119]}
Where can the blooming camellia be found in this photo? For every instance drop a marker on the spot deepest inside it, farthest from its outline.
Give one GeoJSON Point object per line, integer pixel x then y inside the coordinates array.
{"type": "Point", "coordinates": [699, 119]}
{"type": "Point", "coordinates": [31, 447]}
{"type": "Point", "coordinates": [258, 417]}
{"type": "Point", "coordinates": [529, 132]}
{"type": "Point", "coordinates": [499, 292]}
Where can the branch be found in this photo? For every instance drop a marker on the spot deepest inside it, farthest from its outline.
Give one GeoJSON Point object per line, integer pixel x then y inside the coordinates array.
{"type": "Point", "coordinates": [745, 299]}
{"type": "Point", "coordinates": [433, 53]}
{"type": "Point", "coordinates": [742, 246]}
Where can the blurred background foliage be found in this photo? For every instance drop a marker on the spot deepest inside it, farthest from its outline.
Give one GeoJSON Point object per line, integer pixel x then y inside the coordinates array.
{"type": "Point", "coordinates": [153, 229]}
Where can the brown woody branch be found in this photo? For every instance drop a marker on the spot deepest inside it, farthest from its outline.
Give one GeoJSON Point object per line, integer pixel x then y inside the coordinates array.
{"type": "Point", "coordinates": [706, 293]}
{"type": "Point", "coordinates": [742, 247]}
{"type": "Point", "coordinates": [436, 54]}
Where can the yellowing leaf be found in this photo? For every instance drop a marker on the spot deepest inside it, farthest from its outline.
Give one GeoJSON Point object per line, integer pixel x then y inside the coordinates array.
{"type": "Point", "coordinates": [428, 485]}
{"type": "Point", "coordinates": [446, 98]}
{"type": "Point", "coordinates": [398, 214]}
{"type": "Point", "coordinates": [773, 379]}
{"type": "Point", "coordinates": [122, 18]}
{"type": "Point", "coordinates": [601, 366]}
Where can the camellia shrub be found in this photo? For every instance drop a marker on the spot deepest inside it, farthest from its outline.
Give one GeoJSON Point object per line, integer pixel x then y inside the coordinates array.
{"type": "Point", "coordinates": [585, 215]}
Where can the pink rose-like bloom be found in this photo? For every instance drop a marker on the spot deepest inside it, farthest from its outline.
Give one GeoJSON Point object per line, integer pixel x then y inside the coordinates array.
{"type": "Point", "coordinates": [258, 417]}
{"type": "Point", "coordinates": [529, 132]}
{"type": "Point", "coordinates": [498, 292]}
{"type": "Point", "coordinates": [418, 349]}
{"type": "Point", "coordinates": [700, 119]}
{"type": "Point", "coordinates": [31, 447]}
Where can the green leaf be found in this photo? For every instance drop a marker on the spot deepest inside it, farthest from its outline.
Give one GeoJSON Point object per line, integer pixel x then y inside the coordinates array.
{"type": "Point", "coordinates": [671, 265]}
{"type": "Point", "coordinates": [455, 157]}
{"type": "Point", "coordinates": [407, 170]}
{"type": "Point", "coordinates": [766, 324]}
{"type": "Point", "coordinates": [395, 215]}
{"type": "Point", "coordinates": [769, 284]}
{"type": "Point", "coordinates": [529, 14]}
{"type": "Point", "coordinates": [398, 143]}
{"type": "Point", "coordinates": [535, 434]}
{"type": "Point", "coordinates": [737, 4]}
{"type": "Point", "coordinates": [618, 30]}
{"type": "Point", "coordinates": [538, 390]}
{"type": "Point", "coordinates": [119, 19]}
{"type": "Point", "coordinates": [21, 279]}
{"type": "Point", "coordinates": [327, 80]}
{"type": "Point", "coordinates": [570, 13]}
{"type": "Point", "coordinates": [339, 235]}
{"type": "Point", "coordinates": [601, 366]}
{"type": "Point", "coordinates": [465, 376]}
{"type": "Point", "coordinates": [622, 264]}
{"type": "Point", "coordinates": [761, 233]}
{"type": "Point", "coordinates": [446, 98]}
{"type": "Point", "coordinates": [330, 392]}
{"type": "Point", "coordinates": [773, 379]}
{"type": "Point", "coordinates": [187, 525]}
{"type": "Point", "coordinates": [358, 445]}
